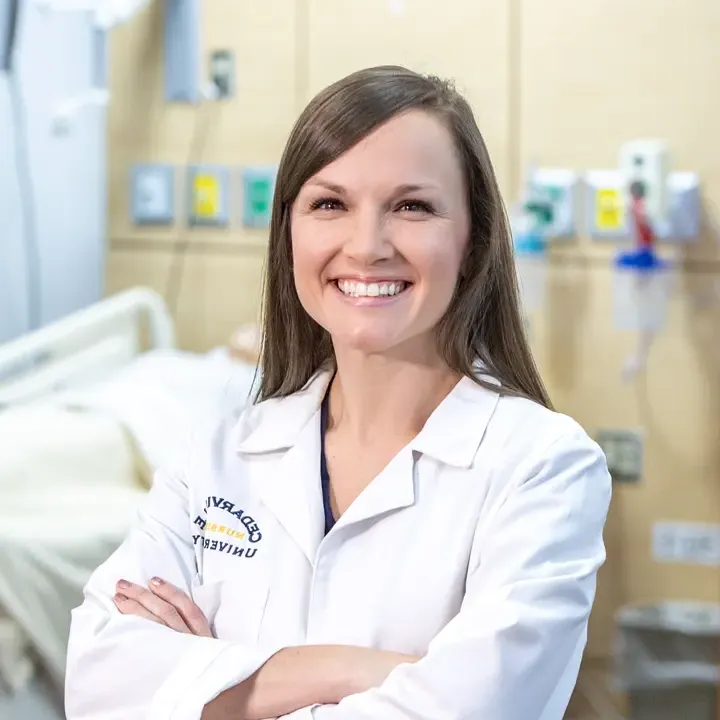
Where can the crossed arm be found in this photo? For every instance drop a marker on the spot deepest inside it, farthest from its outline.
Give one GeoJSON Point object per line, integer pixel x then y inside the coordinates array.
{"type": "Point", "coordinates": [512, 653]}
{"type": "Point", "coordinates": [293, 678]}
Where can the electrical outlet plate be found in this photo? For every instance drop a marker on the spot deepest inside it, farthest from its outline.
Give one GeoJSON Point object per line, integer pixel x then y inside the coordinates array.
{"type": "Point", "coordinates": [624, 453]}
{"type": "Point", "coordinates": [686, 543]}
{"type": "Point", "coordinates": [222, 73]}
{"type": "Point", "coordinates": [208, 195]}
{"type": "Point", "coordinates": [560, 185]}
{"type": "Point", "coordinates": [258, 187]}
{"type": "Point", "coordinates": [607, 218]}
{"type": "Point", "coordinates": [152, 194]}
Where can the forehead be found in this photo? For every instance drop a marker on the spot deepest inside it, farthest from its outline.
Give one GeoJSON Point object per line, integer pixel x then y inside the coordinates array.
{"type": "Point", "coordinates": [413, 147]}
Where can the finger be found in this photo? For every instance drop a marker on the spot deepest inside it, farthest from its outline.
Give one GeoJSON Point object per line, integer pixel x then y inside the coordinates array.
{"type": "Point", "coordinates": [189, 611]}
{"type": "Point", "coordinates": [158, 607]}
{"type": "Point", "coordinates": [126, 606]}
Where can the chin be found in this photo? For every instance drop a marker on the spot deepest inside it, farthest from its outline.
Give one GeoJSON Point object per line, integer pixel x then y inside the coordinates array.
{"type": "Point", "coordinates": [367, 342]}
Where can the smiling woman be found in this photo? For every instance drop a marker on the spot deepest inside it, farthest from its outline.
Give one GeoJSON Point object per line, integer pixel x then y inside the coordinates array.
{"type": "Point", "coordinates": [400, 527]}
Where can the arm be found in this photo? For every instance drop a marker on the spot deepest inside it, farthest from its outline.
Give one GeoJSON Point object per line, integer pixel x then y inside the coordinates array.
{"type": "Point", "coordinates": [514, 650]}
{"type": "Point", "coordinates": [126, 666]}
{"type": "Point", "coordinates": [303, 676]}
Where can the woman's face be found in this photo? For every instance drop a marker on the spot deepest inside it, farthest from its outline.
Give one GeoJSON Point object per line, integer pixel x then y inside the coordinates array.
{"type": "Point", "coordinates": [379, 235]}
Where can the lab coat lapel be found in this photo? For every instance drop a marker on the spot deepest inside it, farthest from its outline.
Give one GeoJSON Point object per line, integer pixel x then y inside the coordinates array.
{"type": "Point", "coordinates": [279, 441]}
{"type": "Point", "coordinates": [289, 486]}
{"type": "Point", "coordinates": [393, 489]}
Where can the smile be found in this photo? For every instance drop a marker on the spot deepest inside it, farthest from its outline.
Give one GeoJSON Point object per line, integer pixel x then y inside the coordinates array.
{"type": "Point", "coordinates": [389, 288]}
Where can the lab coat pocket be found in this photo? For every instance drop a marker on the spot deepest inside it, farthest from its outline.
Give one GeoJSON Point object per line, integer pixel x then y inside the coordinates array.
{"type": "Point", "coordinates": [234, 607]}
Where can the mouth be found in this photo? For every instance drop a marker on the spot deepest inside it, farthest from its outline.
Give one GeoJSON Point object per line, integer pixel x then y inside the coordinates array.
{"type": "Point", "coordinates": [378, 289]}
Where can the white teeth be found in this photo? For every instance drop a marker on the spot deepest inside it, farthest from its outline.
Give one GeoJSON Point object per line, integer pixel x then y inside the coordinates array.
{"type": "Point", "coordinates": [360, 289]}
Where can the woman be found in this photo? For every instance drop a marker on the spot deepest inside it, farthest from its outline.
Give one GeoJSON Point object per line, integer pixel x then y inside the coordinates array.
{"type": "Point", "coordinates": [400, 527]}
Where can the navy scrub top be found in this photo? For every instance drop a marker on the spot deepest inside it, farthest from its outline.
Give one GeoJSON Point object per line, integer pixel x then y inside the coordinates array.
{"type": "Point", "coordinates": [324, 475]}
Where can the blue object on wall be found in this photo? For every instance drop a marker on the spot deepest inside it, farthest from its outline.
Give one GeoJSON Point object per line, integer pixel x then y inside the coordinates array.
{"type": "Point", "coordinates": [182, 50]}
{"type": "Point", "coordinates": [258, 190]}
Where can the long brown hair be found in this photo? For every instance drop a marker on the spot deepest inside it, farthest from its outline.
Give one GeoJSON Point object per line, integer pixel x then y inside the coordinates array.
{"type": "Point", "coordinates": [483, 321]}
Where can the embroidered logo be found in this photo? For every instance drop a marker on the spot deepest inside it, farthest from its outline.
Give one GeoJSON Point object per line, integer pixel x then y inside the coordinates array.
{"type": "Point", "coordinates": [250, 530]}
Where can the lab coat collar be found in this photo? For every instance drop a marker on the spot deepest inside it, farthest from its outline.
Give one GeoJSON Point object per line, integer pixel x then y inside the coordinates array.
{"type": "Point", "coordinates": [451, 434]}
{"type": "Point", "coordinates": [454, 431]}
{"type": "Point", "coordinates": [275, 424]}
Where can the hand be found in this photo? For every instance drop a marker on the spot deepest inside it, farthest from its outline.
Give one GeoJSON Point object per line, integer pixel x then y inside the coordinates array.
{"type": "Point", "coordinates": [162, 603]}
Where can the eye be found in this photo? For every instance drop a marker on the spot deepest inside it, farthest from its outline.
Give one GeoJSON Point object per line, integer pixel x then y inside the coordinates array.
{"type": "Point", "coordinates": [328, 203]}
{"type": "Point", "coordinates": [416, 206]}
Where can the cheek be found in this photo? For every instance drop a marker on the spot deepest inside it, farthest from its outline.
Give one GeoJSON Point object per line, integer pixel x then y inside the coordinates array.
{"type": "Point", "coordinates": [439, 266]}
{"type": "Point", "coordinates": [309, 261]}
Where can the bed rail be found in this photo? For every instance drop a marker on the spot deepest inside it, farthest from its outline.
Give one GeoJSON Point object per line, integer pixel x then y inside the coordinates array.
{"type": "Point", "coordinates": [85, 346]}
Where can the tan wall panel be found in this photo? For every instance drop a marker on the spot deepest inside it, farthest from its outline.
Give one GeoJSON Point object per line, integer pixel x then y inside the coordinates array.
{"type": "Point", "coordinates": [464, 41]}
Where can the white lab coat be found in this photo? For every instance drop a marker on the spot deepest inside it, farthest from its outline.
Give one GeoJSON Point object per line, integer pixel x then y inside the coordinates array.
{"type": "Point", "coordinates": [477, 547]}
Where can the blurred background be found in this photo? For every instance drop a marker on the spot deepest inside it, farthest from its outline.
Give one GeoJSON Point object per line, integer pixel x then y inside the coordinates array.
{"type": "Point", "coordinates": [138, 143]}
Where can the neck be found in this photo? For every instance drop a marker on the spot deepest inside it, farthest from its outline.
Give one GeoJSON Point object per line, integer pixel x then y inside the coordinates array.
{"type": "Point", "coordinates": [384, 396]}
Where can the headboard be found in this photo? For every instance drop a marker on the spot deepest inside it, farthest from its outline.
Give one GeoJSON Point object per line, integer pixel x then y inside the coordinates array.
{"type": "Point", "coordinates": [85, 346]}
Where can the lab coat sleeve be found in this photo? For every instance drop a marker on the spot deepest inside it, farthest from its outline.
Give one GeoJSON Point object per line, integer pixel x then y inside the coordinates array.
{"type": "Point", "coordinates": [130, 668]}
{"type": "Point", "coordinates": [513, 652]}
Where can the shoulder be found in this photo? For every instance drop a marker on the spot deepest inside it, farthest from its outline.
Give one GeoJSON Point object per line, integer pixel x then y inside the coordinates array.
{"type": "Point", "coordinates": [531, 425]}
{"type": "Point", "coordinates": [544, 450]}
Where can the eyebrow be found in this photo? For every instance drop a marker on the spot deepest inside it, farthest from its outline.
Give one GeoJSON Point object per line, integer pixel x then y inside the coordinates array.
{"type": "Point", "coordinates": [399, 190]}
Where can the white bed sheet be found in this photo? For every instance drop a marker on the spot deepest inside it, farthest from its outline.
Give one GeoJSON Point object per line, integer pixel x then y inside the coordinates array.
{"type": "Point", "coordinates": [164, 395]}
{"type": "Point", "coordinates": [69, 488]}
{"type": "Point", "coordinates": [74, 468]}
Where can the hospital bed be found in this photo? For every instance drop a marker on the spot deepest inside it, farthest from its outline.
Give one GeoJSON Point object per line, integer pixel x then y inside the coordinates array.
{"type": "Point", "coordinates": [89, 407]}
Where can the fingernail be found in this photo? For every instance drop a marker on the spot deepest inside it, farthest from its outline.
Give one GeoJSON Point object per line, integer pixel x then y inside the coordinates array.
{"type": "Point", "coordinates": [157, 581]}
{"type": "Point", "coordinates": [119, 598]}
{"type": "Point", "coordinates": [124, 584]}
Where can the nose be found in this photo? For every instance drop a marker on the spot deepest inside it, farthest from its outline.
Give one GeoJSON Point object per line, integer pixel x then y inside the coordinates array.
{"type": "Point", "coordinates": [369, 241]}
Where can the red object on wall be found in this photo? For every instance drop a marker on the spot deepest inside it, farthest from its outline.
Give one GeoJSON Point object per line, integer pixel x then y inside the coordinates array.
{"type": "Point", "coordinates": [644, 235]}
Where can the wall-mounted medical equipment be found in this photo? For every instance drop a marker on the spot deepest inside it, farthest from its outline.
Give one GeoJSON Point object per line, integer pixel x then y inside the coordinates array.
{"type": "Point", "coordinates": [644, 202]}
{"type": "Point", "coordinates": [671, 199]}
{"type": "Point", "coordinates": [257, 196]}
{"type": "Point", "coordinates": [182, 50]}
{"type": "Point", "coordinates": [152, 194]}
{"type": "Point", "coordinates": [545, 212]}
{"type": "Point", "coordinates": [208, 195]}
{"type": "Point", "coordinates": [214, 195]}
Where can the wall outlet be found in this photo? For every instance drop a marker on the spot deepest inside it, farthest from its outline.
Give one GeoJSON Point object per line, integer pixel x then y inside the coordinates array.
{"type": "Point", "coordinates": [222, 73]}
{"type": "Point", "coordinates": [686, 543]}
{"type": "Point", "coordinates": [624, 453]}
{"type": "Point", "coordinates": [152, 194]}
{"type": "Point", "coordinates": [209, 193]}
